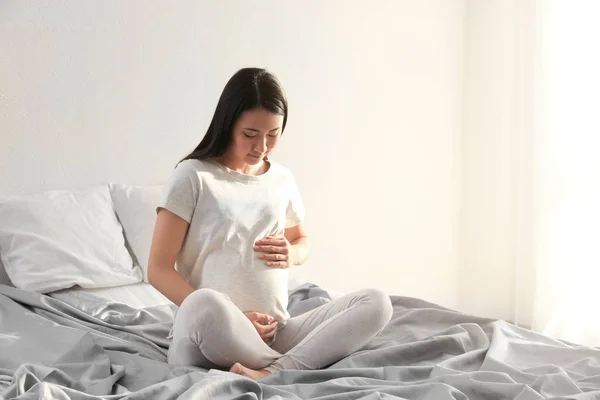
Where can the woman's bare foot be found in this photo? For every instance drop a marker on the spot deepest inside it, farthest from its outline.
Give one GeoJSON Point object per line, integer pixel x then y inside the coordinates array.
{"type": "Point", "coordinates": [250, 373]}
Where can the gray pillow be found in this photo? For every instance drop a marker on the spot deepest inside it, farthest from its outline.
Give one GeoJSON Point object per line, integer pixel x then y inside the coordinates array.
{"type": "Point", "coordinates": [305, 298]}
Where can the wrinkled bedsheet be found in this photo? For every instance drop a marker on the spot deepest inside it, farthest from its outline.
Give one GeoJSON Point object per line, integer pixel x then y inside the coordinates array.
{"type": "Point", "coordinates": [84, 347]}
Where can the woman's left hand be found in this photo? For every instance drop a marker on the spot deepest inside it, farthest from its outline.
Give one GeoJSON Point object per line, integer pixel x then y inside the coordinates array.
{"type": "Point", "coordinates": [277, 251]}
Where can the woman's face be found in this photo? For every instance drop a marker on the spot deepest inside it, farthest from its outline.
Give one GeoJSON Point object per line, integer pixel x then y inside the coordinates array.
{"type": "Point", "coordinates": [255, 135]}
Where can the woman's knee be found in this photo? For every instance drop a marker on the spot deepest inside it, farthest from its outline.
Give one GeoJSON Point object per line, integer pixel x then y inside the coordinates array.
{"type": "Point", "coordinates": [202, 296]}
{"type": "Point", "coordinates": [203, 304]}
{"type": "Point", "coordinates": [380, 306]}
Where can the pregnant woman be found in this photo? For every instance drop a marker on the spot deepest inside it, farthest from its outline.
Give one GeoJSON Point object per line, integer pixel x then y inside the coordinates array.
{"type": "Point", "coordinates": [229, 228]}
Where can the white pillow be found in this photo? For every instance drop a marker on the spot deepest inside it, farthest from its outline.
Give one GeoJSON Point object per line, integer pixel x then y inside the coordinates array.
{"type": "Point", "coordinates": [57, 239]}
{"type": "Point", "coordinates": [136, 209]}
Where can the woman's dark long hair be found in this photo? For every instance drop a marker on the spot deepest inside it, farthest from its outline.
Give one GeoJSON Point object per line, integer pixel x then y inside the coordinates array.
{"type": "Point", "coordinates": [248, 89]}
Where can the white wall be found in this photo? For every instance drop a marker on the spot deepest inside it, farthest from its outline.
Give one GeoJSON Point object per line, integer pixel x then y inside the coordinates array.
{"type": "Point", "coordinates": [526, 194]}
{"type": "Point", "coordinates": [119, 91]}
{"type": "Point", "coordinates": [494, 179]}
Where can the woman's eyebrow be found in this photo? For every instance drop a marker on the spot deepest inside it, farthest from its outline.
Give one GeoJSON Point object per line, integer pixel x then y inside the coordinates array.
{"type": "Point", "coordinates": [258, 131]}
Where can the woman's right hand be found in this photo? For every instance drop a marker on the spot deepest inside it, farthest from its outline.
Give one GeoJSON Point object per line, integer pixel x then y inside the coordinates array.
{"type": "Point", "coordinates": [265, 325]}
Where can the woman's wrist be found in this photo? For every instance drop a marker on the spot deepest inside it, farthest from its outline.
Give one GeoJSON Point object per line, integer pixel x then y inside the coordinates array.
{"type": "Point", "coordinates": [299, 251]}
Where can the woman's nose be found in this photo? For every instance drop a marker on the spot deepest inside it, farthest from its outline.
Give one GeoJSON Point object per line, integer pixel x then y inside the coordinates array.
{"type": "Point", "coordinates": [262, 145]}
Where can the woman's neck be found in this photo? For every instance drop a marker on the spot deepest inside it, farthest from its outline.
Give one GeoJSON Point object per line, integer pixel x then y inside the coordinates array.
{"type": "Point", "coordinates": [240, 166]}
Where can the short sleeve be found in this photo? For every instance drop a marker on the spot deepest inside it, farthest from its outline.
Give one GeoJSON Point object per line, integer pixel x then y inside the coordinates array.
{"type": "Point", "coordinates": [180, 193]}
{"type": "Point", "coordinates": [295, 211]}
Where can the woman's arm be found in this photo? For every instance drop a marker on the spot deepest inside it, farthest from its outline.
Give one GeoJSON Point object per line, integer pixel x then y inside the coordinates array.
{"type": "Point", "coordinates": [298, 238]}
{"type": "Point", "coordinates": [169, 233]}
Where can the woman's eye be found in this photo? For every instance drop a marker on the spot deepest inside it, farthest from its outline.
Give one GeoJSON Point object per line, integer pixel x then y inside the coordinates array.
{"type": "Point", "coordinates": [249, 136]}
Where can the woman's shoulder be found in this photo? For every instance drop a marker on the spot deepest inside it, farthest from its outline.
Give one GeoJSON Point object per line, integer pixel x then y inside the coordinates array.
{"type": "Point", "coordinates": [279, 169]}
{"type": "Point", "coordinates": [194, 164]}
{"type": "Point", "coordinates": [192, 170]}
{"type": "Point", "coordinates": [281, 172]}
{"type": "Point", "coordinates": [194, 167]}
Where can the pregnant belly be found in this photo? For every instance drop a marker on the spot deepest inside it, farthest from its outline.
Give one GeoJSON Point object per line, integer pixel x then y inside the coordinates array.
{"type": "Point", "coordinates": [251, 287]}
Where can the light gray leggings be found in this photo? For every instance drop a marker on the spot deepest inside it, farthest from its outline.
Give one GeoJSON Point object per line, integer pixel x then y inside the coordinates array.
{"type": "Point", "coordinates": [209, 331]}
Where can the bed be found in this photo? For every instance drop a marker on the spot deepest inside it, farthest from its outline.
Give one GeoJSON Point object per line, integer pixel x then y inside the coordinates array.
{"type": "Point", "coordinates": [109, 340]}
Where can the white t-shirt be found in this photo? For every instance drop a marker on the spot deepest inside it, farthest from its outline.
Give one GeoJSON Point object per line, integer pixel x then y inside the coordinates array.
{"type": "Point", "coordinates": [228, 212]}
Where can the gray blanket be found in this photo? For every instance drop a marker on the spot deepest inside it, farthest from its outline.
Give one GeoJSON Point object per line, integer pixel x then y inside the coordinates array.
{"type": "Point", "coordinates": [83, 347]}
